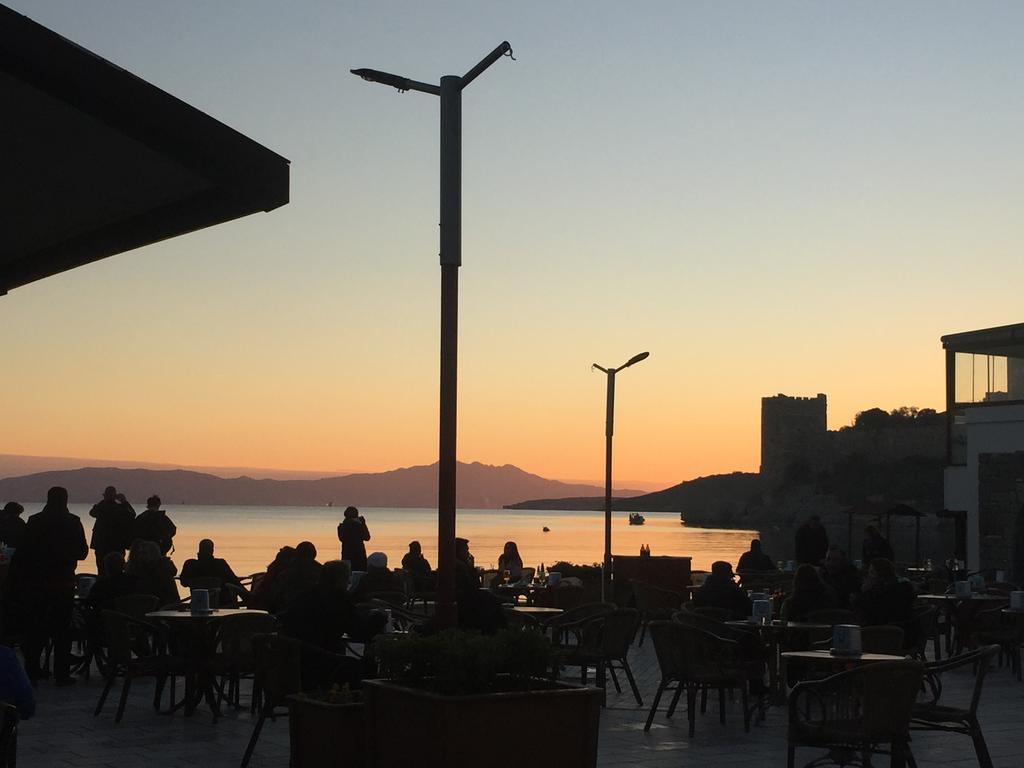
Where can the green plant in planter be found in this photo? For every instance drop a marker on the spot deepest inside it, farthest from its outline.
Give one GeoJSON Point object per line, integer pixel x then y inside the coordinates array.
{"type": "Point", "coordinates": [456, 662]}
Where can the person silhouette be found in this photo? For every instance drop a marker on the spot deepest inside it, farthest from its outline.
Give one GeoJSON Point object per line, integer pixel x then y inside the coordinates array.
{"type": "Point", "coordinates": [12, 527]}
{"type": "Point", "coordinates": [352, 533]}
{"type": "Point", "coordinates": [54, 542]}
{"type": "Point", "coordinates": [112, 531]}
{"type": "Point", "coordinates": [155, 525]}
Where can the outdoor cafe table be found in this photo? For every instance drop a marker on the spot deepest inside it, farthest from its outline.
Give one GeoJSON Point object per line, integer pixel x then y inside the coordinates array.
{"type": "Point", "coordinates": [539, 612]}
{"type": "Point", "coordinates": [197, 632]}
{"type": "Point", "coordinates": [771, 634]}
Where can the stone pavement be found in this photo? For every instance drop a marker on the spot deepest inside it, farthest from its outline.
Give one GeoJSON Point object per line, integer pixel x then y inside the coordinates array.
{"type": "Point", "coordinates": [65, 733]}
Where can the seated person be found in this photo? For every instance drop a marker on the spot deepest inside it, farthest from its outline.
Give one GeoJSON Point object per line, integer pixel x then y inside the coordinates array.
{"type": "Point", "coordinates": [418, 568]}
{"type": "Point", "coordinates": [721, 591]}
{"type": "Point", "coordinates": [883, 598]}
{"type": "Point", "coordinates": [478, 609]}
{"type": "Point", "coordinates": [303, 573]}
{"type": "Point", "coordinates": [205, 566]}
{"type": "Point", "coordinates": [510, 561]}
{"type": "Point", "coordinates": [754, 560]}
{"type": "Point", "coordinates": [842, 575]}
{"type": "Point", "coordinates": [378, 578]}
{"type": "Point", "coordinates": [114, 582]}
{"type": "Point", "coordinates": [153, 573]}
{"type": "Point", "coordinates": [324, 616]}
{"type": "Point", "coordinates": [810, 594]}
{"type": "Point", "coordinates": [263, 589]}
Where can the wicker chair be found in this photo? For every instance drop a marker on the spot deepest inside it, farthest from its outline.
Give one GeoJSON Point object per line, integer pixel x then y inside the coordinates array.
{"type": "Point", "coordinates": [654, 603]}
{"type": "Point", "coordinates": [136, 606]}
{"type": "Point", "coordinates": [693, 659]}
{"type": "Point", "coordinates": [278, 670]}
{"type": "Point", "coordinates": [569, 624]}
{"type": "Point", "coordinates": [124, 636]}
{"type": "Point", "coordinates": [604, 643]}
{"type": "Point", "coordinates": [857, 711]}
{"type": "Point", "coordinates": [921, 627]}
{"type": "Point", "coordinates": [718, 614]}
{"type": "Point", "coordinates": [930, 715]}
{"type": "Point", "coordinates": [237, 659]}
{"type": "Point", "coordinates": [1006, 632]}
{"type": "Point", "coordinates": [831, 616]}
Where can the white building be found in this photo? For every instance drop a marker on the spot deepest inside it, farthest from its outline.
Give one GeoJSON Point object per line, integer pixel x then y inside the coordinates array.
{"type": "Point", "coordinates": [985, 421]}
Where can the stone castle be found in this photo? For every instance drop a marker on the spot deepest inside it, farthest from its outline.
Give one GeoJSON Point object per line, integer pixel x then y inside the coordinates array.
{"type": "Point", "coordinates": [795, 437]}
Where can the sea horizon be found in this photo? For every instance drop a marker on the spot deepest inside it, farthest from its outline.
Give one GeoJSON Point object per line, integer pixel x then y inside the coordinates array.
{"type": "Point", "coordinates": [248, 537]}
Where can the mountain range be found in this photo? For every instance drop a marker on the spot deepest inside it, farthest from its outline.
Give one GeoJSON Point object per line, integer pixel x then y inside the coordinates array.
{"type": "Point", "coordinates": [480, 486]}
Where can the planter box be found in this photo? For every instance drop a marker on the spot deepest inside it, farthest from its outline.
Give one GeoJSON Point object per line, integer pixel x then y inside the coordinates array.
{"type": "Point", "coordinates": [325, 735]}
{"type": "Point", "coordinates": [412, 727]}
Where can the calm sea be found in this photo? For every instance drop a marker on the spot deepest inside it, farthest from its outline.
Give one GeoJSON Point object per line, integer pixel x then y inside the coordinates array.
{"type": "Point", "coordinates": [249, 537]}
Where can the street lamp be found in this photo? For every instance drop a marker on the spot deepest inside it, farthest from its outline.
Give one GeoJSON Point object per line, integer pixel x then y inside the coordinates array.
{"type": "Point", "coordinates": [608, 430]}
{"type": "Point", "coordinates": [450, 91]}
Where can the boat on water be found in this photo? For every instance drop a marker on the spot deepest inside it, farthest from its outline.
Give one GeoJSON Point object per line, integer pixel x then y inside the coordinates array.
{"type": "Point", "coordinates": [635, 518]}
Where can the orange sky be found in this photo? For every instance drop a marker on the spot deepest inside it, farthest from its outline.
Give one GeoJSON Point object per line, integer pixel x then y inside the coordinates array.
{"type": "Point", "coordinates": [801, 200]}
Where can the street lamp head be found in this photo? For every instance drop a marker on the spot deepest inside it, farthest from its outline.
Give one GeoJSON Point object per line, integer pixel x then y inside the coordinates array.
{"type": "Point", "coordinates": [602, 370]}
{"type": "Point", "coordinates": [636, 359]}
{"type": "Point", "coordinates": [384, 78]}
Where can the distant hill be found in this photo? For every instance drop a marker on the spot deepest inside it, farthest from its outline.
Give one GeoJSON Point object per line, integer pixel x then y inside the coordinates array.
{"type": "Point", "coordinates": [481, 486]}
{"type": "Point", "coordinates": [17, 465]}
{"type": "Point", "coordinates": [702, 500]}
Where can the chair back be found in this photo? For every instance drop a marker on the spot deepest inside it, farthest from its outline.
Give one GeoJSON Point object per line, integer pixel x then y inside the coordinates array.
{"type": "Point", "coordinates": [119, 633]}
{"type": "Point", "coordinates": [979, 659]}
{"type": "Point", "coordinates": [8, 735]}
{"type": "Point", "coordinates": [581, 613]}
{"type": "Point", "coordinates": [883, 638]}
{"type": "Point", "coordinates": [652, 599]}
{"type": "Point", "coordinates": [401, 617]}
{"type": "Point", "coordinates": [136, 606]}
{"type": "Point", "coordinates": [693, 653]}
{"type": "Point", "coordinates": [618, 630]}
{"type": "Point", "coordinates": [714, 626]}
{"type": "Point", "coordinates": [919, 628]}
{"type": "Point", "coordinates": [278, 666]}
{"type": "Point", "coordinates": [831, 616]}
{"type": "Point", "coordinates": [710, 612]}
{"type": "Point", "coordinates": [236, 633]}
{"type": "Point", "coordinates": [882, 692]}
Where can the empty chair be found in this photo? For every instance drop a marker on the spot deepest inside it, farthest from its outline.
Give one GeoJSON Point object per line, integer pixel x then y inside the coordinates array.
{"type": "Point", "coordinates": [718, 614]}
{"type": "Point", "coordinates": [236, 658]}
{"type": "Point", "coordinates": [931, 715]}
{"type": "Point", "coordinates": [693, 659]}
{"type": "Point", "coordinates": [604, 643]}
{"type": "Point", "coordinates": [858, 710]}
{"type": "Point", "coordinates": [568, 624]}
{"type": "Point", "coordinates": [654, 603]}
{"type": "Point", "coordinates": [124, 637]}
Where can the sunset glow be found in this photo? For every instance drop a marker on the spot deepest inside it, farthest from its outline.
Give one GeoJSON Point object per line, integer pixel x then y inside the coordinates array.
{"type": "Point", "coordinates": [675, 180]}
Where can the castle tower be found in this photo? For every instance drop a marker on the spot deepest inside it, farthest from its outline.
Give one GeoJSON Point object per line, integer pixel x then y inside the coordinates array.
{"type": "Point", "coordinates": [794, 431]}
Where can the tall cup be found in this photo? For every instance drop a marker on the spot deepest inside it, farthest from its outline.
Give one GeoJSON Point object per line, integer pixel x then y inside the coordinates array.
{"type": "Point", "coordinates": [963, 589]}
{"type": "Point", "coordinates": [200, 601]}
{"type": "Point", "coordinates": [846, 639]}
{"type": "Point", "coordinates": [1017, 600]}
{"type": "Point", "coordinates": [554, 578]}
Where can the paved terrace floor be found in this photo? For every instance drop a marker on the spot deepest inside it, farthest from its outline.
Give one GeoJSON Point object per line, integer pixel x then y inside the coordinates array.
{"type": "Point", "coordinates": [65, 733]}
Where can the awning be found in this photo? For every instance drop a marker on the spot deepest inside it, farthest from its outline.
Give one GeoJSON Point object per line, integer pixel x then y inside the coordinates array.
{"type": "Point", "coordinates": [97, 161]}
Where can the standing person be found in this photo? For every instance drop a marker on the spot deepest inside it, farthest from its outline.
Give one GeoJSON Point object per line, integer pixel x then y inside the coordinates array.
{"type": "Point", "coordinates": [54, 543]}
{"type": "Point", "coordinates": [352, 532]}
{"type": "Point", "coordinates": [811, 542]}
{"type": "Point", "coordinates": [12, 527]}
{"type": "Point", "coordinates": [875, 546]}
{"type": "Point", "coordinates": [112, 531]}
{"type": "Point", "coordinates": [155, 525]}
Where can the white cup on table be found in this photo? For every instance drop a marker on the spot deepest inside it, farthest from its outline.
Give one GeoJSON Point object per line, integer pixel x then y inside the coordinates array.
{"type": "Point", "coordinates": [200, 602]}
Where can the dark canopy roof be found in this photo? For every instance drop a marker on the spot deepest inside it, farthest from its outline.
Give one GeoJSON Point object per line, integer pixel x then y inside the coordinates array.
{"type": "Point", "coordinates": [1004, 341]}
{"type": "Point", "coordinates": [98, 161]}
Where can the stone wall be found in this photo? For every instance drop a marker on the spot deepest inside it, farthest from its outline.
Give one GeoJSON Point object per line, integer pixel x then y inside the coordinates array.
{"type": "Point", "coordinates": [1001, 512]}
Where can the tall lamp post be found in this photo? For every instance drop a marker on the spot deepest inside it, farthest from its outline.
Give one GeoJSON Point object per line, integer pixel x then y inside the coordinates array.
{"type": "Point", "coordinates": [608, 430]}
{"type": "Point", "coordinates": [450, 91]}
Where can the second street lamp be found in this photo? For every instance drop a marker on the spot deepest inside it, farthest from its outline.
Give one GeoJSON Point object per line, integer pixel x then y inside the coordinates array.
{"type": "Point", "coordinates": [609, 429]}
{"type": "Point", "coordinates": [450, 91]}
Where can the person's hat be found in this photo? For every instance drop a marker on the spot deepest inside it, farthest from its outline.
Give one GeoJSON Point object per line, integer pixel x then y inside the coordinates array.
{"type": "Point", "coordinates": [377, 560]}
{"type": "Point", "coordinates": [13, 507]}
